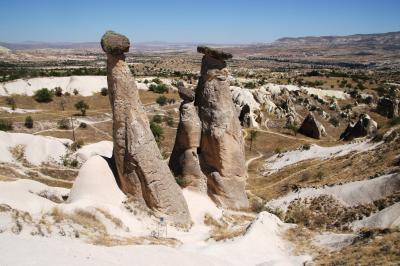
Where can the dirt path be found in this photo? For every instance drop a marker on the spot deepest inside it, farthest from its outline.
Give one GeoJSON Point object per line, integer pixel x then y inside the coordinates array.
{"type": "Point", "coordinates": [259, 156]}
{"type": "Point", "coordinates": [249, 161]}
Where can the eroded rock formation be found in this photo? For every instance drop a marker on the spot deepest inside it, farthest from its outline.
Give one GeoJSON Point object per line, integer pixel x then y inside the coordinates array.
{"type": "Point", "coordinates": [141, 170]}
{"type": "Point", "coordinates": [312, 128]}
{"type": "Point", "coordinates": [365, 126]}
{"type": "Point", "coordinates": [388, 107]}
{"type": "Point", "coordinates": [221, 145]}
{"type": "Point", "coordinates": [184, 161]}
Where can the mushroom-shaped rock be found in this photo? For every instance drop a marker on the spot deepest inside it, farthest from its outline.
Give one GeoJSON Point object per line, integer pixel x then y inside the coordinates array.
{"type": "Point", "coordinates": [312, 128]}
{"type": "Point", "coordinates": [115, 43]}
{"type": "Point", "coordinates": [365, 126]}
{"type": "Point", "coordinates": [142, 172]}
{"type": "Point", "coordinates": [221, 146]}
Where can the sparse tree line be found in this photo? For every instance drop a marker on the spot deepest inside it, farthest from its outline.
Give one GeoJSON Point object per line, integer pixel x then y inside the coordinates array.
{"type": "Point", "coordinates": [9, 72]}
{"type": "Point", "coordinates": [13, 73]}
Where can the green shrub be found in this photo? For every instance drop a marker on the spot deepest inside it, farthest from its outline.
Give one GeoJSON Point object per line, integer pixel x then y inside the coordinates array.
{"type": "Point", "coordinates": [58, 91]}
{"type": "Point", "coordinates": [250, 85]}
{"type": "Point", "coordinates": [319, 175]}
{"type": "Point", "coordinates": [63, 123]}
{"type": "Point", "coordinates": [162, 100]}
{"type": "Point", "coordinates": [158, 88]}
{"type": "Point", "coordinates": [11, 101]}
{"type": "Point", "coordinates": [104, 91]}
{"type": "Point", "coordinates": [82, 106]}
{"type": "Point", "coordinates": [180, 180]}
{"type": "Point", "coordinates": [75, 91]}
{"type": "Point", "coordinates": [157, 131]}
{"type": "Point", "coordinates": [157, 81]}
{"type": "Point", "coordinates": [28, 122]}
{"type": "Point", "coordinates": [83, 125]}
{"type": "Point", "coordinates": [170, 121]}
{"type": "Point", "coordinates": [306, 146]}
{"type": "Point", "coordinates": [6, 125]}
{"type": "Point", "coordinates": [77, 144]}
{"type": "Point", "coordinates": [74, 163]}
{"type": "Point", "coordinates": [43, 95]}
{"type": "Point", "coordinates": [157, 119]}
{"type": "Point", "coordinates": [293, 128]}
{"type": "Point", "coordinates": [395, 121]}
{"type": "Point", "coordinates": [334, 121]}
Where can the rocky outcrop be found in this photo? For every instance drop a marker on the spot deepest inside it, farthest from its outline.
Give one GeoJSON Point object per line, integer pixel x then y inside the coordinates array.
{"type": "Point", "coordinates": [221, 145]}
{"type": "Point", "coordinates": [365, 126]}
{"type": "Point", "coordinates": [141, 170]}
{"type": "Point", "coordinates": [388, 107]}
{"type": "Point", "coordinates": [184, 161]}
{"type": "Point", "coordinates": [312, 128]}
{"type": "Point", "coordinates": [247, 107]}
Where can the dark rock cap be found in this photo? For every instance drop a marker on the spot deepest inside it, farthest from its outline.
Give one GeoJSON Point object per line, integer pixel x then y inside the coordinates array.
{"type": "Point", "coordinates": [217, 54]}
{"type": "Point", "coordinates": [114, 43]}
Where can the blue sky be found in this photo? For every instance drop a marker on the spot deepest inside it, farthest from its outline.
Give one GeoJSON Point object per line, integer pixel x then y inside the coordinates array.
{"type": "Point", "coordinates": [223, 21]}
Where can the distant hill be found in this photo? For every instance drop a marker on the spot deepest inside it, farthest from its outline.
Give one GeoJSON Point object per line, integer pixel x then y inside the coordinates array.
{"type": "Point", "coordinates": [138, 46]}
{"type": "Point", "coordinates": [390, 40]}
{"type": "Point", "coordinates": [378, 39]}
{"type": "Point", "coordinates": [45, 45]}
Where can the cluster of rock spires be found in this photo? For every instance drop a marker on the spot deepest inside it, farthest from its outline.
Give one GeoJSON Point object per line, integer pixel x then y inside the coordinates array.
{"type": "Point", "coordinates": [209, 148]}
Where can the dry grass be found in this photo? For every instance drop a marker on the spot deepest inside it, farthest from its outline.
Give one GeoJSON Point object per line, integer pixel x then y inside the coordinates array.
{"type": "Point", "coordinates": [18, 153]}
{"type": "Point", "coordinates": [351, 167]}
{"type": "Point", "coordinates": [106, 240]}
{"type": "Point", "coordinates": [372, 247]}
{"type": "Point", "coordinates": [301, 238]}
{"type": "Point", "coordinates": [62, 174]}
{"type": "Point", "coordinates": [116, 221]}
{"type": "Point", "coordinates": [96, 233]}
{"type": "Point", "coordinates": [227, 227]}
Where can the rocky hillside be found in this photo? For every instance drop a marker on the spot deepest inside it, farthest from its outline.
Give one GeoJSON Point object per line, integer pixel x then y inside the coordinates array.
{"type": "Point", "coordinates": [390, 40]}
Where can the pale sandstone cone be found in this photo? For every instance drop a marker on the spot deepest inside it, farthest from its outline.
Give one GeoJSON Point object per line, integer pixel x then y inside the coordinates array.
{"type": "Point", "coordinates": [184, 160]}
{"type": "Point", "coordinates": [141, 169]}
{"type": "Point", "coordinates": [221, 148]}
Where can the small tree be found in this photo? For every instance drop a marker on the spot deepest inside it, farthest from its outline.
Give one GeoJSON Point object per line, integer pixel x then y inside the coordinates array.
{"type": "Point", "coordinates": [11, 101]}
{"type": "Point", "coordinates": [58, 91]}
{"type": "Point", "coordinates": [63, 123]}
{"type": "Point", "coordinates": [293, 127]}
{"type": "Point", "coordinates": [82, 107]}
{"type": "Point", "coordinates": [253, 136]}
{"type": "Point", "coordinates": [104, 91]}
{"type": "Point", "coordinates": [75, 91]}
{"type": "Point", "coordinates": [62, 104]}
{"type": "Point", "coordinates": [158, 88]}
{"type": "Point", "coordinates": [162, 100]}
{"type": "Point", "coordinates": [43, 95]}
{"type": "Point", "coordinates": [6, 125]}
{"type": "Point", "coordinates": [334, 121]}
{"type": "Point", "coordinates": [157, 81]}
{"type": "Point", "coordinates": [157, 119]}
{"type": "Point", "coordinates": [28, 122]}
{"type": "Point", "coordinates": [170, 121]}
{"type": "Point", "coordinates": [157, 131]}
